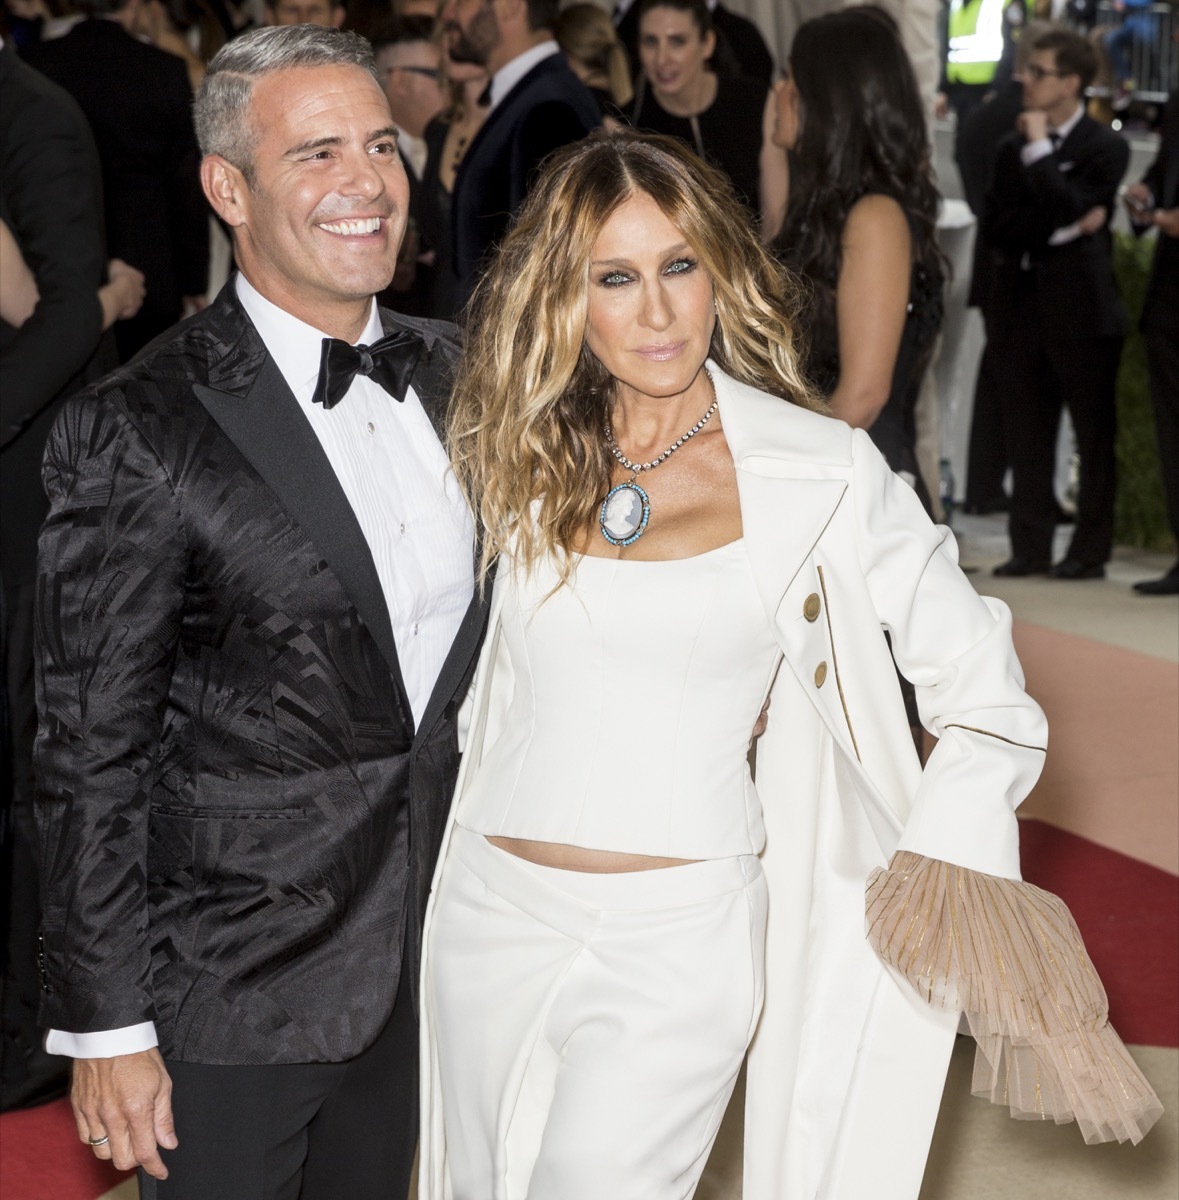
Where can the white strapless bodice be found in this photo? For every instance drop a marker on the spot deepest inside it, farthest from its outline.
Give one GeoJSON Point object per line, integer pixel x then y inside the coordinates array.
{"type": "Point", "coordinates": [635, 693]}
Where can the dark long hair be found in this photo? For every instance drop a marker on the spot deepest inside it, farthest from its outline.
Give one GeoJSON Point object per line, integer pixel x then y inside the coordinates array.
{"type": "Point", "coordinates": [863, 131]}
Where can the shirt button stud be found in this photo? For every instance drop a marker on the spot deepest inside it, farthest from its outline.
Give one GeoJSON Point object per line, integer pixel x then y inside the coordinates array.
{"type": "Point", "coordinates": [811, 606]}
{"type": "Point", "coordinates": [371, 427]}
{"type": "Point", "coordinates": [820, 674]}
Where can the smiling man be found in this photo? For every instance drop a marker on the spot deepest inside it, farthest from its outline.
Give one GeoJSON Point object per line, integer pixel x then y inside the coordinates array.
{"type": "Point", "coordinates": [256, 616]}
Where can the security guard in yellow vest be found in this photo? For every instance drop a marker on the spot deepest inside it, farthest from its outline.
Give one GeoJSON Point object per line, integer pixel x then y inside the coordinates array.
{"type": "Point", "coordinates": [974, 47]}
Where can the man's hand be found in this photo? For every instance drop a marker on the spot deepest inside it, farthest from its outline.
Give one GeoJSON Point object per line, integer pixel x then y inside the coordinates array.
{"type": "Point", "coordinates": [1033, 124]}
{"type": "Point", "coordinates": [1093, 220]}
{"type": "Point", "coordinates": [128, 1100]}
{"type": "Point", "coordinates": [1167, 220]}
{"type": "Point", "coordinates": [1139, 202]}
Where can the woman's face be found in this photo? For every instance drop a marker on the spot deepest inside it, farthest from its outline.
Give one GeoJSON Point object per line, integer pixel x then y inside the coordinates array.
{"type": "Point", "coordinates": [787, 121]}
{"type": "Point", "coordinates": [650, 311]}
{"type": "Point", "coordinates": [672, 51]}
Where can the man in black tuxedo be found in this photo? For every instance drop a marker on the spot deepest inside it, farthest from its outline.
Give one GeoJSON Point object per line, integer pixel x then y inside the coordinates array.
{"type": "Point", "coordinates": [256, 619]}
{"type": "Point", "coordinates": [1155, 202]}
{"type": "Point", "coordinates": [537, 106]}
{"type": "Point", "coordinates": [1057, 319]}
{"type": "Point", "coordinates": [139, 104]}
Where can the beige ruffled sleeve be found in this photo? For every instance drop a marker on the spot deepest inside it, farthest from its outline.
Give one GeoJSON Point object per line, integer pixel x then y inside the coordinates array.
{"type": "Point", "coordinates": [1010, 956]}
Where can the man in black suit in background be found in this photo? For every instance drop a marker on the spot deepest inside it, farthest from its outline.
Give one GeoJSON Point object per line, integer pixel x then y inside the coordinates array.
{"type": "Point", "coordinates": [139, 104]}
{"type": "Point", "coordinates": [1057, 319]}
{"type": "Point", "coordinates": [537, 106]}
{"type": "Point", "coordinates": [409, 65]}
{"type": "Point", "coordinates": [1155, 201]}
{"type": "Point", "coordinates": [256, 619]}
{"type": "Point", "coordinates": [51, 200]}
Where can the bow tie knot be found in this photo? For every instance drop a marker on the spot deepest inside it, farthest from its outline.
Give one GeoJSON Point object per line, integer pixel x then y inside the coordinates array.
{"type": "Point", "coordinates": [389, 362]}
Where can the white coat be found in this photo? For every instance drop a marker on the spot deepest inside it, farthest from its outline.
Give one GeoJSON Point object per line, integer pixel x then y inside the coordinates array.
{"type": "Point", "coordinates": [847, 1067]}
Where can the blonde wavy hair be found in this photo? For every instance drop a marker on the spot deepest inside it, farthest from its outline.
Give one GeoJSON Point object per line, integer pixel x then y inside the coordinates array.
{"type": "Point", "coordinates": [526, 431]}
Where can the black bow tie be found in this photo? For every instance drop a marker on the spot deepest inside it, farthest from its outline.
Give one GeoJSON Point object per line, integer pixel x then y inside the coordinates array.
{"type": "Point", "coordinates": [389, 361]}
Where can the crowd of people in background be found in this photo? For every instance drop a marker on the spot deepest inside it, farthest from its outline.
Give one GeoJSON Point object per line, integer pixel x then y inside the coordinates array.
{"type": "Point", "coordinates": [105, 233]}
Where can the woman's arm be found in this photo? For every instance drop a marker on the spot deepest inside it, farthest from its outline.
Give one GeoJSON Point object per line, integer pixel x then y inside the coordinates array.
{"type": "Point", "coordinates": [18, 288]}
{"type": "Point", "coordinates": [774, 175]}
{"type": "Point", "coordinates": [871, 302]}
{"type": "Point", "coordinates": [121, 298]}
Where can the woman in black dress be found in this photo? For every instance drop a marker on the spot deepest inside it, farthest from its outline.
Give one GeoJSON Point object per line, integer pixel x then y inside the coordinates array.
{"type": "Point", "coordinates": [861, 223]}
{"type": "Point", "coordinates": [725, 119]}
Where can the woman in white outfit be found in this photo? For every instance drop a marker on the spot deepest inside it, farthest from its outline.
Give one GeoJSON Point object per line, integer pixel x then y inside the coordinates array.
{"type": "Point", "coordinates": [681, 533]}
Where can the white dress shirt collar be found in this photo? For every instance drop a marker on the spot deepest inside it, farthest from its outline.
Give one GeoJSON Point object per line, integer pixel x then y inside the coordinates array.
{"type": "Point", "coordinates": [1068, 126]}
{"type": "Point", "coordinates": [512, 72]}
{"type": "Point", "coordinates": [294, 345]}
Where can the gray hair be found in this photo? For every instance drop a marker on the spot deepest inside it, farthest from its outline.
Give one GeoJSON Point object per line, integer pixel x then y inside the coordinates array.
{"type": "Point", "coordinates": [222, 109]}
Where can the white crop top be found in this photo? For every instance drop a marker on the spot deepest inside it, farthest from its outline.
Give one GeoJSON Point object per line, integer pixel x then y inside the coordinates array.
{"type": "Point", "coordinates": [636, 691]}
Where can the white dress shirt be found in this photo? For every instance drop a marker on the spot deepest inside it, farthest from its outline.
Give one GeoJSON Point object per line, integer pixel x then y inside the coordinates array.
{"type": "Point", "coordinates": [1041, 148]}
{"type": "Point", "coordinates": [411, 511]}
{"type": "Point", "coordinates": [512, 72]}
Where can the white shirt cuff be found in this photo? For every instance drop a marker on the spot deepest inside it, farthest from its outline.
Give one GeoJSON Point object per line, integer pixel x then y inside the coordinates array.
{"type": "Point", "coordinates": [1066, 233]}
{"type": "Point", "coordinates": [106, 1043]}
{"type": "Point", "coordinates": [1034, 151]}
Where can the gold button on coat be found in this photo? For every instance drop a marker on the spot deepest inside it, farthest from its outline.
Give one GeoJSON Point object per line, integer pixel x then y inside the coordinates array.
{"type": "Point", "coordinates": [820, 674]}
{"type": "Point", "coordinates": [811, 606]}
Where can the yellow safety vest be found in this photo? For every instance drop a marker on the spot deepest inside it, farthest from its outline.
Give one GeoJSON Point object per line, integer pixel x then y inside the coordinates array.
{"type": "Point", "coordinates": [976, 40]}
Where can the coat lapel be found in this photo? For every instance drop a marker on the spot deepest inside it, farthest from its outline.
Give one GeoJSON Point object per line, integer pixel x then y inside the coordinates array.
{"type": "Point", "coordinates": [788, 495]}
{"type": "Point", "coordinates": [254, 407]}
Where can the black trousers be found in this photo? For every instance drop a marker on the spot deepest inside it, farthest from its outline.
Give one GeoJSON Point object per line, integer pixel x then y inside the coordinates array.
{"type": "Point", "coordinates": [987, 461]}
{"type": "Point", "coordinates": [1162, 357]}
{"type": "Point", "coordinates": [1040, 374]}
{"type": "Point", "coordinates": [304, 1131]}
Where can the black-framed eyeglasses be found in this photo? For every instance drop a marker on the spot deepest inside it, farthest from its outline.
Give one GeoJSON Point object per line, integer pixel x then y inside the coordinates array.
{"type": "Point", "coordinates": [1036, 73]}
{"type": "Point", "coordinates": [428, 72]}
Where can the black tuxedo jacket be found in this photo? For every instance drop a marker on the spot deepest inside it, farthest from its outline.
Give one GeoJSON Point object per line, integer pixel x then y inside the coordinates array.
{"type": "Point", "coordinates": [1160, 307]}
{"type": "Point", "coordinates": [549, 108]}
{"type": "Point", "coordinates": [238, 820]}
{"type": "Point", "coordinates": [139, 104]}
{"type": "Point", "coordinates": [1076, 294]}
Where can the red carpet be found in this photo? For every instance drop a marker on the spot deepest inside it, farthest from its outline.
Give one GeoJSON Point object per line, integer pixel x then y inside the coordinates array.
{"type": "Point", "coordinates": [42, 1159]}
{"type": "Point", "coordinates": [1128, 914]}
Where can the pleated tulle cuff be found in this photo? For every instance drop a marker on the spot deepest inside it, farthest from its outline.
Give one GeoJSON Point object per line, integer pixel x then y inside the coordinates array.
{"type": "Point", "coordinates": [1010, 956]}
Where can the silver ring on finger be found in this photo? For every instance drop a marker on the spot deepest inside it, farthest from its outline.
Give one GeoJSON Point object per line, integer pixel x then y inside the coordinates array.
{"type": "Point", "coordinates": [101, 1141]}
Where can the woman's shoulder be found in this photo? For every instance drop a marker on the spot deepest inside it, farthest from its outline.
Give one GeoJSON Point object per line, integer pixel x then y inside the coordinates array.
{"type": "Point", "coordinates": [877, 214]}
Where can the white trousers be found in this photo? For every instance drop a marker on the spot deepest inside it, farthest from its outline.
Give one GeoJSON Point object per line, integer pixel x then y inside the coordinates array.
{"type": "Point", "coordinates": [589, 1027]}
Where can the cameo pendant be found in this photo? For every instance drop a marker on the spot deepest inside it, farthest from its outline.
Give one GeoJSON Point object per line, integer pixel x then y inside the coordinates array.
{"type": "Point", "coordinates": [624, 514]}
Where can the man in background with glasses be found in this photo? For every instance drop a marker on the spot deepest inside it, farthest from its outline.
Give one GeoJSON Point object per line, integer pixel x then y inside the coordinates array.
{"type": "Point", "coordinates": [1058, 319]}
{"type": "Point", "coordinates": [409, 66]}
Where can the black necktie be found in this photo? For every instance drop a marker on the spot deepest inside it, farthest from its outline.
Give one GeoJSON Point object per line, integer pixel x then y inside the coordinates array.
{"type": "Point", "coordinates": [1055, 139]}
{"type": "Point", "coordinates": [390, 362]}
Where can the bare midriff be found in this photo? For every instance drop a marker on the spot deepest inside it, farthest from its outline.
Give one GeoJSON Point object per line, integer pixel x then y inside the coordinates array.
{"type": "Point", "coordinates": [577, 858]}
